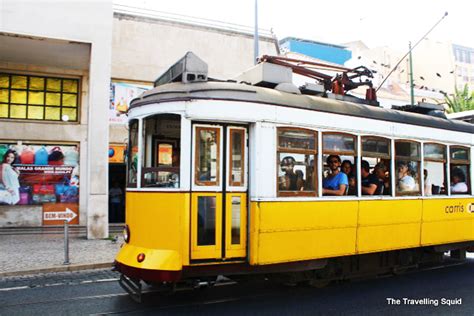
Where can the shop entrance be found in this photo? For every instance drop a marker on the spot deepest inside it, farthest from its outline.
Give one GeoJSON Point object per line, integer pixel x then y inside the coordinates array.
{"type": "Point", "coordinates": [117, 176]}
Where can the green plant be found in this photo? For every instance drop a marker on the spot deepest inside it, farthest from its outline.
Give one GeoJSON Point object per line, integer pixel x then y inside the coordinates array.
{"type": "Point", "coordinates": [462, 100]}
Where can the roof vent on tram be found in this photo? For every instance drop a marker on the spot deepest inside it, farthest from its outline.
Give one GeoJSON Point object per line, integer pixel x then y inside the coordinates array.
{"type": "Point", "coordinates": [430, 109]}
{"type": "Point", "coordinates": [188, 69]}
{"type": "Point", "coordinates": [266, 75]}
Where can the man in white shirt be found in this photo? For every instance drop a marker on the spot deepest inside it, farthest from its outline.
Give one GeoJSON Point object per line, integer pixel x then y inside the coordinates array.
{"type": "Point", "coordinates": [458, 181]}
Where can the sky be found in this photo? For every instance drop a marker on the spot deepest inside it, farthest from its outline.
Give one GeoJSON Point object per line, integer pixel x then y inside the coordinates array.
{"type": "Point", "coordinates": [376, 23]}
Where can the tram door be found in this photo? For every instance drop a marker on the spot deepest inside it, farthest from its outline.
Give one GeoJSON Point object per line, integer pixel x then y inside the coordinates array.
{"type": "Point", "coordinates": [219, 192]}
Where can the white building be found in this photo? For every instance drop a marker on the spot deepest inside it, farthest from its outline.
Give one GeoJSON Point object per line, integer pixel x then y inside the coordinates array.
{"type": "Point", "coordinates": [54, 89]}
{"type": "Point", "coordinates": [57, 62]}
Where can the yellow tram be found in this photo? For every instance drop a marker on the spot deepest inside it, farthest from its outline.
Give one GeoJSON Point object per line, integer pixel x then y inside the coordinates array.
{"type": "Point", "coordinates": [212, 190]}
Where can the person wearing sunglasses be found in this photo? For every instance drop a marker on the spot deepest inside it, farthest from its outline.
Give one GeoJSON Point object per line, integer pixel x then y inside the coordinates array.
{"type": "Point", "coordinates": [336, 182]}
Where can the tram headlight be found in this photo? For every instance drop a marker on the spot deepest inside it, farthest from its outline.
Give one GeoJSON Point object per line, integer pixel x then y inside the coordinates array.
{"type": "Point", "coordinates": [126, 234]}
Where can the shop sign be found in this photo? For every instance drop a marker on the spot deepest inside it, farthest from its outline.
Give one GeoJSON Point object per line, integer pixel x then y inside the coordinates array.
{"type": "Point", "coordinates": [57, 213]}
{"type": "Point", "coordinates": [120, 96]}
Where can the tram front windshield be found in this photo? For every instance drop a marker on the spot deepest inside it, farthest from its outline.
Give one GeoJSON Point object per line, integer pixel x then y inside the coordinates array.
{"type": "Point", "coordinates": [161, 151]}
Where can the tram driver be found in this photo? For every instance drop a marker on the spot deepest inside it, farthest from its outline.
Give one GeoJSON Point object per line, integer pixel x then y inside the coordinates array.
{"type": "Point", "coordinates": [336, 182]}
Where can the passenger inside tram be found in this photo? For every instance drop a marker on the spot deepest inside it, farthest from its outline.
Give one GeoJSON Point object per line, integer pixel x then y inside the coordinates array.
{"type": "Point", "coordinates": [336, 182]}
{"type": "Point", "coordinates": [458, 181]}
{"type": "Point", "coordinates": [406, 182]}
{"type": "Point", "coordinates": [371, 185]}
{"type": "Point", "coordinates": [348, 169]}
{"type": "Point", "coordinates": [309, 183]}
{"type": "Point", "coordinates": [292, 180]}
{"type": "Point", "coordinates": [428, 185]}
{"type": "Point", "coordinates": [381, 171]}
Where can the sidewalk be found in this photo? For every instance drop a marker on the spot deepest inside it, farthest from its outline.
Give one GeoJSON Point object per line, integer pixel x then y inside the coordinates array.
{"type": "Point", "coordinates": [42, 253]}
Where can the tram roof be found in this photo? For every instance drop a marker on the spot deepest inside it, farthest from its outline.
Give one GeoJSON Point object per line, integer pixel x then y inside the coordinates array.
{"type": "Point", "coordinates": [232, 91]}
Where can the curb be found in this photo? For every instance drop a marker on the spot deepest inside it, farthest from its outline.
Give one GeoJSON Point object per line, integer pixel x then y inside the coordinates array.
{"type": "Point", "coordinates": [70, 268]}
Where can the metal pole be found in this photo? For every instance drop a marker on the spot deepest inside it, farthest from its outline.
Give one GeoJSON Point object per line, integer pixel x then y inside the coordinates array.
{"type": "Point", "coordinates": [412, 91]}
{"type": "Point", "coordinates": [255, 36]}
{"type": "Point", "coordinates": [403, 58]}
{"type": "Point", "coordinates": [66, 243]}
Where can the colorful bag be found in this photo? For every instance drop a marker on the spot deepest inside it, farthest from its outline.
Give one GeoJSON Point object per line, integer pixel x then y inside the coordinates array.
{"type": "Point", "coordinates": [71, 158]}
{"type": "Point", "coordinates": [56, 157]}
{"type": "Point", "coordinates": [43, 189]}
{"type": "Point", "coordinates": [43, 198]}
{"type": "Point", "coordinates": [25, 189]}
{"type": "Point", "coordinates": [27, 156]}
{"type": "Point", "coordinates": [3, 150]}
{"type": "Point", "coordinates": [41, 157]}
{"type": "Point", "coordinates": [65, 198]}
{"type": "Point", "coordinates": [24, 198]}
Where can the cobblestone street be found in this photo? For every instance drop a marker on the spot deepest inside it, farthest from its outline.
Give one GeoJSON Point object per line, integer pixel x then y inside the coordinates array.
{"type": "Point", "coordinates": [38, 251]}
{"type": "Point", "coordinates": [59, 278]}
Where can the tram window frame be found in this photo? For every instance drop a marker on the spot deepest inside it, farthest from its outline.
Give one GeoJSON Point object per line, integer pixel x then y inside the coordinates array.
{"type": "Point", "coordinates": [380, 157]}
{"type": "Point", "coordinates": [444, 161]}
{"type": "Point", "coordinates": [150, 146]}
{"type": "Point", "coordinates": [286, 151]}
{"type": "Point", "coordinates": [131, 151]}
{"type": "Point", "coordinates": [458, 163]}
{"type": "Point", "coordinates": [340, 153]}
{"type": "Point", "coordinates": [242, 133]}
{"type": "Point", "coordinates": [407, 160]}
{"type": "Point", "coordinates": [197, 159]}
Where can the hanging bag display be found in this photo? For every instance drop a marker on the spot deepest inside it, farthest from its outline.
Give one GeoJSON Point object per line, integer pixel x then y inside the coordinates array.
{"type": "Point", "coordinates": [25, 192]}
{"type": "Point", "coordinates": [3, 150]}
{"type": "Point", "coordinates": [56, 157]}
{"type": "Point", "coordinates": [70, 195]}
{"type": "Point", "coordinates": [71, 157]}
{"type": "Point", "coordinates": [43, 189]}
{"type": "Point", "coordinates": [60, 188]}
{"type": "Point", "coordinates": [41, 157]}
{"type": "Point", "coordinates": [27, 156]}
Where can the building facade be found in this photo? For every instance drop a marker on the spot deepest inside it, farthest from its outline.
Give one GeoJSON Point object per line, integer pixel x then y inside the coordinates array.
{"type": "Point", "coordinates": [464, 66]}
{"type": "Point", "coordinates": [67, 73]}
{"type": "Point", "coordinates": [54, 74]}
{"type": "Point", "coordinates": [332, 53]}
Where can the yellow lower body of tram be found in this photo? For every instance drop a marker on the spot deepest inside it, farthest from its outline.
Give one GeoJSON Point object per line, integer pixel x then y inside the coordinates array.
{"type": "Point", "coordinates": [163, 229]}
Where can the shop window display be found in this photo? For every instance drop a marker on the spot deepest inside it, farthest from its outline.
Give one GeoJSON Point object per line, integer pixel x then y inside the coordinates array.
{"type": "Point", "coordinates": [33, 174]}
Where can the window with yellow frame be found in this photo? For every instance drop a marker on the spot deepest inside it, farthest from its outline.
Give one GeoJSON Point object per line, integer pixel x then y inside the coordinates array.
{"type": "Point", "coordinates": [30, 97]}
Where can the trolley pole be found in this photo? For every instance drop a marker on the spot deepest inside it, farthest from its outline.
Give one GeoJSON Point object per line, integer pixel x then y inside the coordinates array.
{"type": "Point", "coordinates": [66, 243]}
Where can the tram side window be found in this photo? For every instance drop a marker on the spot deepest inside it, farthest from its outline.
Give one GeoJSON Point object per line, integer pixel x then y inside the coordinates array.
{"type": "Point", "coordinates": [459, 170]}
{"type": "Point", "coordinates": [207, 169]}
{"type": "Point", "coordinates": [434, 171]}
{"type": "Point", "coordinates": [375, 169]}
{"type": "Point", "coordinates": [161, 151]}
{"type": "Point", "coordinates": [237, 158]}
{"type": "Point", "coordinates": [296, 170]}
{"type": "Point", "coordinates": [132, 154]}
{"type": "Point", "coordinates": [407, 162]}
{"type": "Point", "coordinates": [340, 170]}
